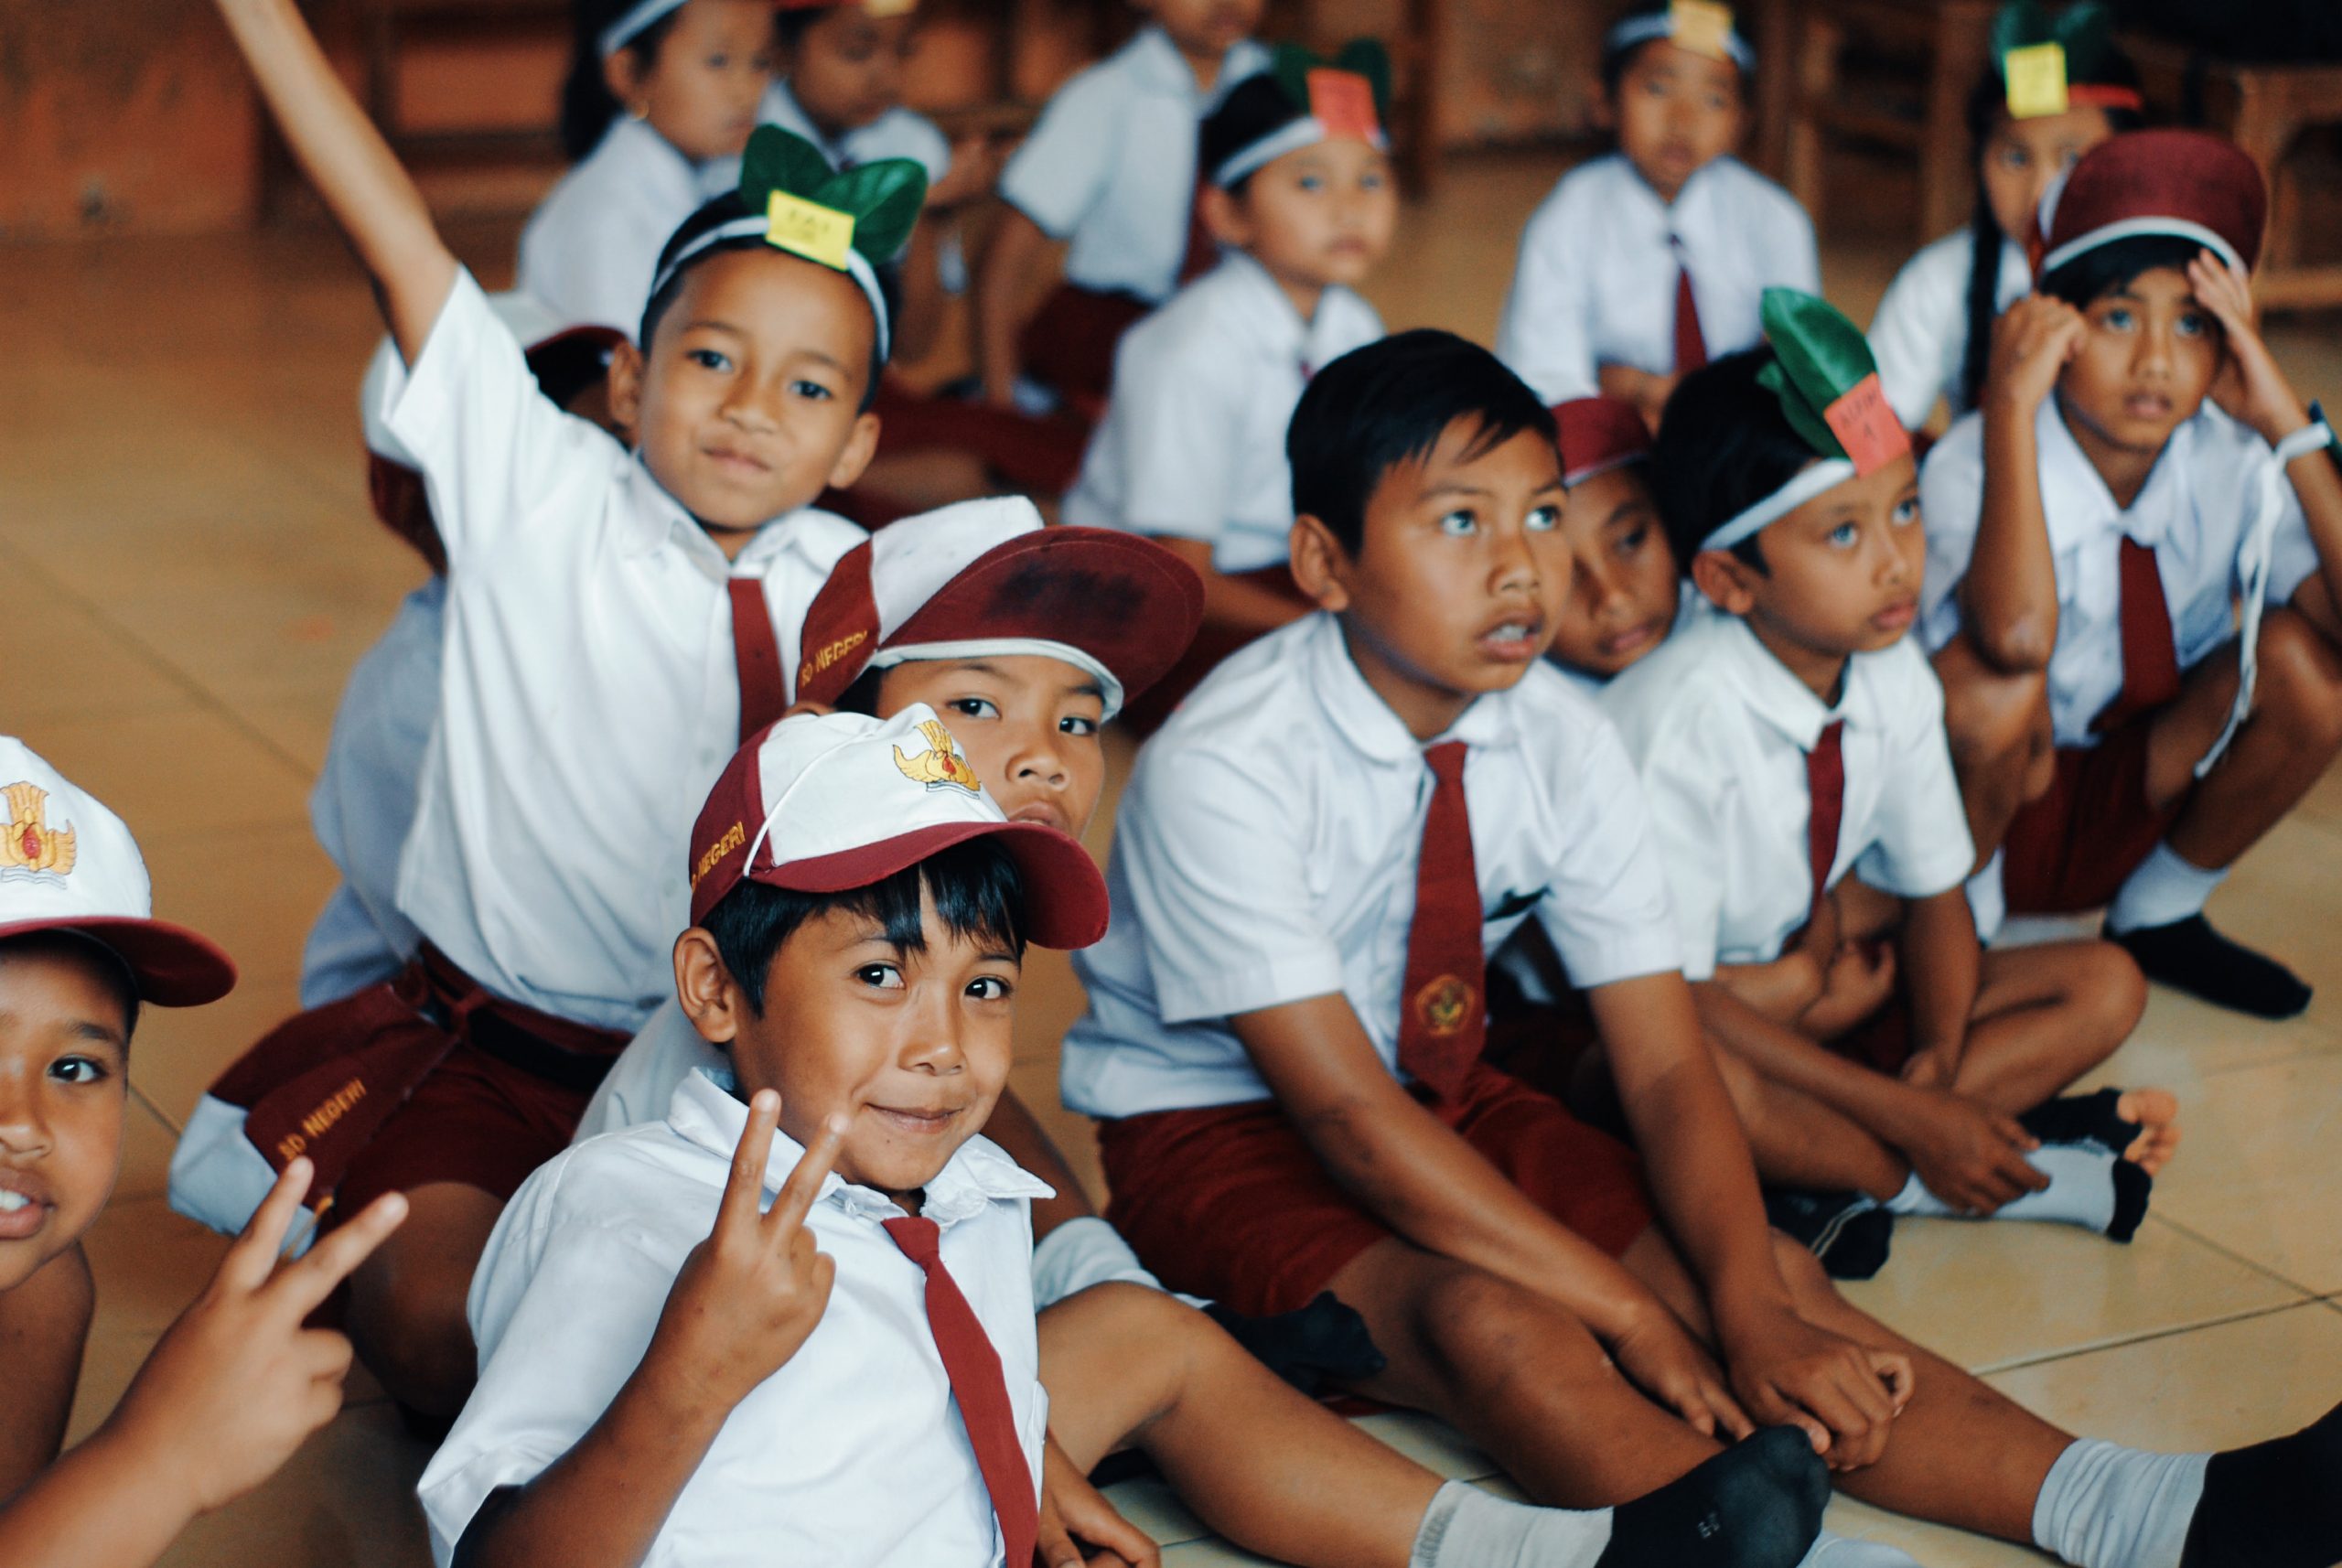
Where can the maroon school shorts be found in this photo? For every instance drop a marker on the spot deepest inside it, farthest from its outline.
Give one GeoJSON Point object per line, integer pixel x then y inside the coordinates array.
{"type": "Point", "coordinates": [2071, 849]}
{"type": "Point", "coordinates": [1230, 1202]}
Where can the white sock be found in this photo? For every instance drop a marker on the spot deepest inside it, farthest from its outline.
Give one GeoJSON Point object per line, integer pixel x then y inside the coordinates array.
{"type": "Point", "coordinates": [1843, 1551]}
{"type": "Point", "coordinates": [1080, 1253]}
{"type": "Point", "coordinates": [2081, 1190]}
{"type": "Point", "coordinates": [2165, 888]}
{"type": "Point", "coordinates": [2103, 1506]}
{"type": "Point", "coordinates": [1986, 901]}
{"type": "Point", "coordinates": [1468, 1528]}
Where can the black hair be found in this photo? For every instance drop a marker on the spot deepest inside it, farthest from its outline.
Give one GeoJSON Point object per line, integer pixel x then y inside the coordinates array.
{"type": "Point", "coordinates": [588, 105]}
{"type": "Point", "coordinates": [568, 365]}
{"type": "Point", "coordinates": [862, 695]}
{"type": "Point", "coordinates": [1988, 105]}
{"type": "Point", "coordinates": [978, 896]}
{"type": "Point", "coordinates": [711, 215]}
{"type": "Point", "coordinates": [1616, 63]}
{"type": "Point", "coordinates": [1724, 446]}
{"type": "Point", "coordinates": [2101, 270]}
{"type": "Point", "coordinates": [1254, 108]}
{"type": "Point", "coordinates": [789, 27]}
{"type": "Point", "coordinates": [101, 958]}
{"type": "Point", "coordinates": [1388, 403]}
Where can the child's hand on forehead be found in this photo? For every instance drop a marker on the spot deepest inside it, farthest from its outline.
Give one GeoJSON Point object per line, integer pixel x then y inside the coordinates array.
{"type": "Point", "coordinates": [752, 1293]}
{"type": "Point", "coordinates": [2250, 387]}
{"type": "Point", "coordinates": [2033, 340]}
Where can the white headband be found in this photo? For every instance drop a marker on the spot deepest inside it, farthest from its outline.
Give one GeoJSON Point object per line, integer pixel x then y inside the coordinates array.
{"type": "Point", "coordinates": [2129, 228]}
{"type": "Point", "coordinates": [632, 26]}
{"type": "Point", "coordinates": [1110, 690]}
{"type": "Point", "coordinates": [1306, 132]}
{"type": "Point", "coordinates": [857, 265]}
{"type": "Point", "coordinates": [1817, 478]}
{"type": "Point", "coordinates": [1643, 29]}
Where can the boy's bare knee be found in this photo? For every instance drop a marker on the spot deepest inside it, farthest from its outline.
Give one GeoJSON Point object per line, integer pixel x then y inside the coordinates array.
{"type": "Point", "coordinates": [2299, 684]}
{"type": "Point", "coordinates": [1474, 1324]}
{"type": "Point", "coordinates": [1801, 1272]}
{"type": "Point", "coordinates": [2111, 989]}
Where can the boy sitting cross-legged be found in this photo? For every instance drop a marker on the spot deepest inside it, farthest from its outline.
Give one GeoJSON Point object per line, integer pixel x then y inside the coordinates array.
{"type": "Point", "coordinates": [1312, 861]}
{"type": "Point", "coordinates": [1790, 737]}
{"type": "Point", "coordinates": [855, 1374]}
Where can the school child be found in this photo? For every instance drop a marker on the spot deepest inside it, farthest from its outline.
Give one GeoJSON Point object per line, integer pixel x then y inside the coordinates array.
{"type": "Point", "coordinates": [670, 1376]}
{"type": "Point", "coordinates": [364, 800]}
{"type": "Point", "coordinates": [2055, 89]}
{"type": "Point", "coordinates": [1624, 594]}
{"type": "Point", "coordinates": [2140, 469]}
{"type": "Point", "coordinates": [236, 1384]}
{"type": "Point", "coordinates": [659, 92]}
{"type": "Point", "coordinates": [615, 620]}
{"type": "Point", "coordinates": [1110, 170]}
{"type": "Point", "coordinates": [1311, 860]}
{"type": "Point", "coordinates": [1793, 738]}
{"type": "Point", "coordinates": [1297, 190]}
{"type": "Point", "coordinates": [1648, 262]}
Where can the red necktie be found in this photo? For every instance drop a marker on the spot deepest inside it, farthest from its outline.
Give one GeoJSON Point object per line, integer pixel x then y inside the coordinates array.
{"type": "Point", "coordinates": [756, 653]}
{"type": "Point", "coordinates": [2150, 660]}
{"type": "Point", "coordinates": [1825, 788]}
{"type": "Point", "coordinates": [973, 1366]}
{"type": "Point", "coordinates": [1443, 1019]}
{"type": "Point", "coordinates": [1691, 344]}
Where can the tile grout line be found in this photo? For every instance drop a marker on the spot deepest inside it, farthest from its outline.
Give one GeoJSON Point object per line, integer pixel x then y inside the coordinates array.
{"type": "Point", "coordinates": [2236, 1257]}
{"type": "Point", "coordinates": [2022, 1362]}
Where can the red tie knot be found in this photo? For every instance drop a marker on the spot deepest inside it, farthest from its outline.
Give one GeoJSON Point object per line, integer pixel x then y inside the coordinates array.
{"type": "Point", "coordinates": [918, 1238]}
{"type": "Point", "coordinates": [1445, 760]}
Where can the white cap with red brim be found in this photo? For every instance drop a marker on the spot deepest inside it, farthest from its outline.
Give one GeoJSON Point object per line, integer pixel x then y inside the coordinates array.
{"type": "Point", "coordinates": [823, 804]}
{"type": "Point", "coordinates": [69, 865]}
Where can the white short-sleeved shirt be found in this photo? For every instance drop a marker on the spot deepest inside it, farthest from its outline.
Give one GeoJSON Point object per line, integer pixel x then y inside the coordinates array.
{"type": "Point", "coordinates": [1111, 164]}
{"type": "Point", "coordinates": [589, 694]}
{"type": "Point", "coordinates": [1595, 284]}
{"type": "Point", "coordinates": [2199, 501]}
{"type": "Point", "coordinates": [590, 248]}
{"type": "Point", "coordinates": [1919, 335]}
{"type": "Point", "coordinates": [364, 802]}
{"type": "Point", "coordinates": [664, 1052]}
{"type": "Point", "coordinates": [1721, 729]}
{"type": "Point", "coordinates": [1265, 851]}
{"type": "Point", "coordinates": [854, 1453]}
{"type": "Point", "coordinates": [1193, 442]}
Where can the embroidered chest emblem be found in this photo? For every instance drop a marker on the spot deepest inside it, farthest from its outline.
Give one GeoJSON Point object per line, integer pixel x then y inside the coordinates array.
{"type": "Point", "coordinates": [942, 765]}
{"type": "Point", "coordinates": [1445, 1005]}
{"type": "Point", "coordinates": [32, 848]}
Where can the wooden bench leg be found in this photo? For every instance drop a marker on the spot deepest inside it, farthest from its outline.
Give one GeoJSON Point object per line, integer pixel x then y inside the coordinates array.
{"type": "Point", "coordinates": [1819, 41]}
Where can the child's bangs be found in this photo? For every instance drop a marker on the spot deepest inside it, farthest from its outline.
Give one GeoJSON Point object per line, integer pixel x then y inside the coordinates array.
{"type": "Point", "coordinates": [2109, 268]}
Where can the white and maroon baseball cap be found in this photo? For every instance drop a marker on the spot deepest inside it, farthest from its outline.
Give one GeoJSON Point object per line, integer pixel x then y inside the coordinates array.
{"type": "Point", "coordinates": [2185, 185]}
{"type": "Point", "coordinates": [67, 863]}
{"type": "Point", "coordinates": [985, 577]}
{"type": "Point", "coordinates": [822, 803]}
{"type": "Point", "coordinates": [1597, 435]}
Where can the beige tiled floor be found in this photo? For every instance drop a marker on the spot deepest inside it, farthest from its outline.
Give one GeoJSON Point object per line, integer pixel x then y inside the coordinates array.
{"type": "Point", "coordinates": [187, 574]}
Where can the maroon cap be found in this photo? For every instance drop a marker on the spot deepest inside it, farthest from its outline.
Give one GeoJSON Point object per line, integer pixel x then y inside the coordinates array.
{"type": "Point", "coordinates": [2185, 184]}
{"type": "Point", "coordinates": [1599, 434]}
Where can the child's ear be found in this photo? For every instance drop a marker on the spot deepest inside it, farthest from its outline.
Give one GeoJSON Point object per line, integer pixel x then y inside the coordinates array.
{"type": "Point", "coordinates": [1320, 565]}
{"type": "Point", "coordinates": [860, 447]}
{"type": "Point", "coordinates": [1727, 581]}
{"type": "Point", "coordinates": [626, 388]}
{"type": "Point", "coordinates": [1601, 107]}
{"type": "Point", "coordinates": [1224, 217]}
{"type": "Point", "coordinates": [621, 74]}
{"type": "Point", "coordinates": [709, 997]}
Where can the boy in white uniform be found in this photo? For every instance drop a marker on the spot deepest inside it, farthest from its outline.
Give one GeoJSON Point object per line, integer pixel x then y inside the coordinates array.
{"type": "Point", "coordinates": [2139, 468]}
{"type": "Point", "coordinates": [615, 620]}
{"type": "Point", "coordinates": [859, 914]}
{"type": "Point", "coordinates": [1648, 262]}
{"type": "Point", "coordinates": [1794, 737]}
{"type": "Point", "coordinates": [1298, 191]}
{"type": "Point", "coordinates": [1111, 171]}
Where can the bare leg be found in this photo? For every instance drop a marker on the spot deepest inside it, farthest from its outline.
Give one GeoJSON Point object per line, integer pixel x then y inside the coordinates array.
{"type": "Point", "coordinates": [44, 1325]}
{"type": "Point", "coordinates": [406, 1301]}
{"type": "Point", "coordinates": [1798, 1141]}
{"type": "Point", "coordinates": [2293, 734]}
{"type": "Point", "coordinates": [2002, 743]}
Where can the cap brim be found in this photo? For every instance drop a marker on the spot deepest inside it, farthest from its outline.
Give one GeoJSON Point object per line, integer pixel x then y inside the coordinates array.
{"type": "Point", "coordinates": [1127, 601]}
{"type": "Point", "coordinates": [174, 967]}
{"type": "Point", "coordinates": [1065, 897]}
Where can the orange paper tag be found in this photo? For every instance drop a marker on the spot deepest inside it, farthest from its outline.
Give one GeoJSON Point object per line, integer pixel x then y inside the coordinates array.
{"type": "Point", "coordinates": [1343, 101]}
{"type": "Point", "coordinates": [808, 229]}
{"type": "Point", "coordinates": [882, 9]}
{"type": "Point", "coordinates": [1866, 427]}
{"type": "Point", "coordinates": [1702, 27]}
{"type": "Point", "coordinates": [2037, 79]}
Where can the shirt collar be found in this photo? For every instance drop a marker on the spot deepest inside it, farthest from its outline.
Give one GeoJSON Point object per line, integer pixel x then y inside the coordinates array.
{"type": "Point", "coordinates": [1775, 696]}
{"type": "Point", "coordinates": [654, 518]}
{"type": "Point", "coordinates": [781, 108]}
{"type": "Point", "coordinates": [1689, 202]}
{"type": "Point", "coordinates": [1361, 717]}
{"type": "Point", "coordinates": [706, 1113]}
{"type": "Point", "coordinates": [1159, 62]}
{"type": "Point", "coordinates": [2076, 503]}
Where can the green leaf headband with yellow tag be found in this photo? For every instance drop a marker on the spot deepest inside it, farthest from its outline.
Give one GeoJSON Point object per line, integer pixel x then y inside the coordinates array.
{"type": "Point", "coordinates": [853, 220]}
{"type": "Point", "coordinates": [1343, 99]}
{"type": "Point", "coordinates": [1828, 385]}
{"type": "Point", "coordinates": [2052, 64]}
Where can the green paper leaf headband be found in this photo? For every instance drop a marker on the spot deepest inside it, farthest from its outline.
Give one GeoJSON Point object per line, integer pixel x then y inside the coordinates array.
{"type": "Point", "coordinates": [853, 220]}
{"type": "Point", "coordinates": [1292, 66]}
{"type": "Point", "coordinates": [1828, 385]}
{"type": "Point", "coordinates": [1342, 99]}
{"type": "Point", "coordinates": [2050, 64]}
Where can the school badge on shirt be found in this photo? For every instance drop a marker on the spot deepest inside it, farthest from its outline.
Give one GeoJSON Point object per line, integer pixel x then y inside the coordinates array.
{"type": "Point", "coordinates": [1445, 1005]}
{"type": "Point", "coordinates": [33, 849]}
{"type": "Point", "coordinates": [942, 765]}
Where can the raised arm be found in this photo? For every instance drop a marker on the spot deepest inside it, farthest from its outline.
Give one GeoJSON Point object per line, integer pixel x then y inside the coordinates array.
{"type": "Point", "coordinates": [351, 164]}
{"type": "Point", "coordinates": [2010, 595]}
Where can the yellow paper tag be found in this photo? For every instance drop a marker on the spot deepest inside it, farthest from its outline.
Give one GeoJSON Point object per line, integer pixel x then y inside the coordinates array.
{"type": "Point", "coordinates": [1702, 27]}
{"type": "Point", "coordinates": [2037, 79]}
{"type": "Point", "coordinates": [808, 229]}
{"type": "Point", "coordinates": [882, 9]}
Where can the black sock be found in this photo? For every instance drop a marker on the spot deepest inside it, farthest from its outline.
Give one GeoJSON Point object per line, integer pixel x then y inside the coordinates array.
{"type": "Point", "coordinates": [2083, 1118]}
{"type": "Point", "coordinates": [2189, 955]}
{"type": "Point", "coordinates": [1757, 1505]}
{"type": "Point", "coordinates": [1323, 1342]}
{"type": "Point", "coordinates": [2275, 1505]}
{"type": "Point", "coordinates": [1847, 1231]}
